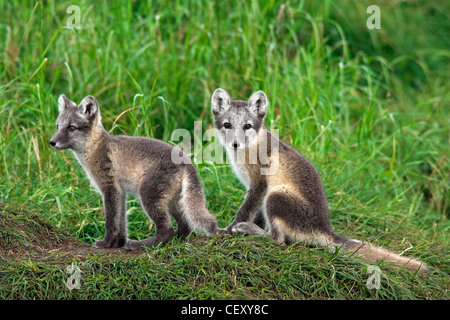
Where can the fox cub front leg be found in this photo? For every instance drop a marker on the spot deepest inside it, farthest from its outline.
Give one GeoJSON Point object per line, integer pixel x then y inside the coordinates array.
{"type": "Point", "coordinates": [114, 204]}
{"type": "Point", "coordinates": [251, 205]}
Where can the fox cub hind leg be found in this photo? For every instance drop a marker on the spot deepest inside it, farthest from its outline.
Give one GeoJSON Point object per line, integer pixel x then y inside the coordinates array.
{"type": "Point", "coordinates": [176, 211]}
{"type": "Point", "coordinates": [156, 193]}
{"type": "Point", "coordinates": [180, 196]}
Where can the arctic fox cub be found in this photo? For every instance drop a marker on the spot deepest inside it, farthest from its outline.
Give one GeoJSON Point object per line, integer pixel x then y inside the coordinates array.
{"type": "Point", "coordinates": [290, 198]}
{"type": "Point", "coordinates": [121, 165]}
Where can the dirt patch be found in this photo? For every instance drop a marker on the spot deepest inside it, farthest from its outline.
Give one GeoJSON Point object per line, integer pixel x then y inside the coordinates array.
{"type": "Point", "coordinates": [24, 233]}
{"type": "Point", "coordinates": [28, 235]}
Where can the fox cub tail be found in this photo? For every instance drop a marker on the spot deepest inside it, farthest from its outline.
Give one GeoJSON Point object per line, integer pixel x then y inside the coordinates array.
{"type": "Point", "coordinates": [374, 253]}
{"type": "Point", "coordinates": [334, 241]}
{"type": "Point", "coordinates": [193, 204]}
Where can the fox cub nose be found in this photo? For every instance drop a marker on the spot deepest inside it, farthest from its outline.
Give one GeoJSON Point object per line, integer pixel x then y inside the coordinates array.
{"type": "Point", "coordinates": [235, 145]}
{"type": "Point", "coordinates": [52, 143]}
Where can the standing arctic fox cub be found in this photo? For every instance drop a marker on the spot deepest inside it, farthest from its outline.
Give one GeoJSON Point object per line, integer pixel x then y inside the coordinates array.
{"type": "Point", "coordinates": [289, 197]}
{"type": "Point", "coordinates": [121, 165]}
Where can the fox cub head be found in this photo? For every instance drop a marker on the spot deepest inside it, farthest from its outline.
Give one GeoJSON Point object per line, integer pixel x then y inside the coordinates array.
{"type": "Point", "coordinates": [238, 122]}
{"type": "Point", "coordinates": [74, 123]}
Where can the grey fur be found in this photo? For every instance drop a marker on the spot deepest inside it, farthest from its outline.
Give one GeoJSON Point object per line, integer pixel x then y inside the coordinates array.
{"type": "Point", "coordinates": [291, 201]}
{"type": "Point", "coordinates": [122, 165]}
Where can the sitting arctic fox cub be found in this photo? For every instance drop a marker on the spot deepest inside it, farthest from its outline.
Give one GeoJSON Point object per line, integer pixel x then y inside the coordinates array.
{"type": "Point", "coordinates": [288, 197]}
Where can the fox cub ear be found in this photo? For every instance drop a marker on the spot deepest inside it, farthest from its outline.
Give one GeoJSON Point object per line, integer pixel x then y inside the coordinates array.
{"type": "Point", "coordinates": [88, 107]}
{"type": "Point", "coordinates": [64, 102]}
{"type": "Point", "coordinates": [257, 103]}
{"type": "Point", "coordinates": [220, 101]}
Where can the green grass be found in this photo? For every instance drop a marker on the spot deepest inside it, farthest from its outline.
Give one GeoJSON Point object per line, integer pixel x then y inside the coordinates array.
{"type": "Point", "coordinates": [370, 108]}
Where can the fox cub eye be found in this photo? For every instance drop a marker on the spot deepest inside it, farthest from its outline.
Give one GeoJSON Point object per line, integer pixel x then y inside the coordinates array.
{"type": "Point", "coordinates": [71, 128]}
{"type": "Point", "coordinates": [247, 126]}
{"type": "Point", "coordinates": [227, 125]}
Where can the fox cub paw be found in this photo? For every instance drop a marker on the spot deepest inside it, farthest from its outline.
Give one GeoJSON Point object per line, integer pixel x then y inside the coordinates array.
{"type": "Point", "coordinates": [149, 242]}
{"type": "Point", "coordinates": [117, 242]}
{"type": "Point", "coordinates": [247, 228]}
{"type": "Point", "coordinates": [222, 231]}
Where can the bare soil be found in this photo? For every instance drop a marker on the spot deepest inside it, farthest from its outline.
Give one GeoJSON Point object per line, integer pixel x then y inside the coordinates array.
{"type": "Point", "coordinates": [25, 235]}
